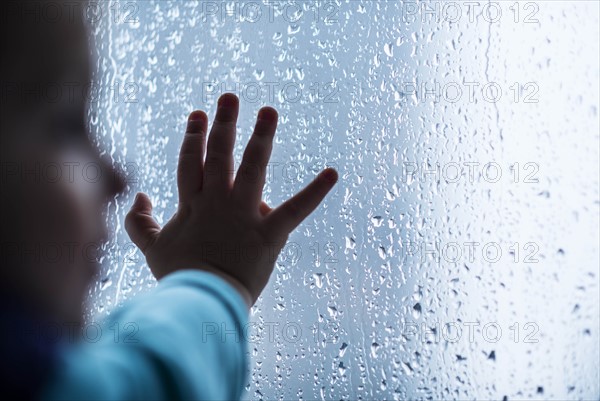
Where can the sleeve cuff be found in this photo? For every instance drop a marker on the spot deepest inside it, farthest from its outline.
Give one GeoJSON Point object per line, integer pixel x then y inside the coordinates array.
{"type": "Point", "coordinates": [213, 284]}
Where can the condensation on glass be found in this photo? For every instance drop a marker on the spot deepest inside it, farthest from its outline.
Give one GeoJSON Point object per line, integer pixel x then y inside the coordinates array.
{"type": "Point", "coordinates": [458, 256]}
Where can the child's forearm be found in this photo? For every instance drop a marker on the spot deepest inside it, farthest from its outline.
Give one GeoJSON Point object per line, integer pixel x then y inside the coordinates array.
{"type": "Point", "coordinates": [187, 344]}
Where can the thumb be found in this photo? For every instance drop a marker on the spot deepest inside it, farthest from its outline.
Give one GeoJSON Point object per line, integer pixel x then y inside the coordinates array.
{"type": "Point", "coordinates": [139, 223]}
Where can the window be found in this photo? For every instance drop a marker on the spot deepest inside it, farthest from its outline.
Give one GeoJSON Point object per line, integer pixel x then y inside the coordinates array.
{"type": "Point", "coordinates": [458, 257]}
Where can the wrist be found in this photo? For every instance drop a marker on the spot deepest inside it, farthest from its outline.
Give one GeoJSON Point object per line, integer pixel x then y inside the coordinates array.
{"type": "Point", "coordinates": [234, 282]}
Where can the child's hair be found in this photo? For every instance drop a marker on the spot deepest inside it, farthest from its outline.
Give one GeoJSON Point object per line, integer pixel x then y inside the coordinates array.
{"type": "Point", "coordinates": [38, 39]}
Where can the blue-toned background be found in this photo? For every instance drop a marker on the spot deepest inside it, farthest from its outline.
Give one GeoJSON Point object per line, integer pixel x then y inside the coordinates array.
{"type": "Point", "coordinates": [458, 257]}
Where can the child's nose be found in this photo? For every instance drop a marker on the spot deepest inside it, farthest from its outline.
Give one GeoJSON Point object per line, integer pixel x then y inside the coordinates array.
{"type": "Point", "coordinates": [115, 179]}
{"type": "Point", "coordinates": [118, 183]}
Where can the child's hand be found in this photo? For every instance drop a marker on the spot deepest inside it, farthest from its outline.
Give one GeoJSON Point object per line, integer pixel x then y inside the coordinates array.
{"type": "Point", "coordinates": [220, 225]}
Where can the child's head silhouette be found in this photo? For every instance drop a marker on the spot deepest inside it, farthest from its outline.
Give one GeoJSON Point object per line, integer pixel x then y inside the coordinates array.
{"type": "Point", "coordinates": [52, 199]}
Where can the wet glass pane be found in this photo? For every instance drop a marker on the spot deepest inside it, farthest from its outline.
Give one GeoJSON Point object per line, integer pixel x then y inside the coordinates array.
{"type": "Point", "coordinates": [458, 256]}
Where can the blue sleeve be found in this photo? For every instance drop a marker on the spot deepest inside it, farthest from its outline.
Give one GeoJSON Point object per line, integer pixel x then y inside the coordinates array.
{"type": "Point", "coordinates": [182, 341]}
